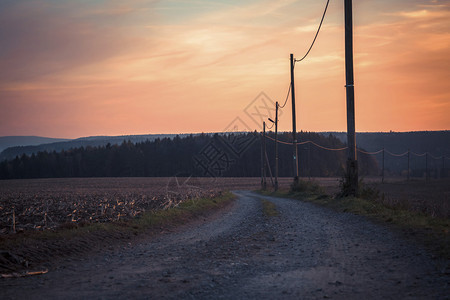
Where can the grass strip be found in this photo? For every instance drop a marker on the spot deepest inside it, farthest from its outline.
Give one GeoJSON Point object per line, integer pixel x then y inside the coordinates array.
{"type": "Point", "coordinates": [269, 209]}
{"type": "Point", "coordinates": [184, 212]}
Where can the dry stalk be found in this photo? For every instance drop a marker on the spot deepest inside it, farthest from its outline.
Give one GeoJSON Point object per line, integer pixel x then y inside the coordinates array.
{"type": "Point", "coordinates": [14, 220]}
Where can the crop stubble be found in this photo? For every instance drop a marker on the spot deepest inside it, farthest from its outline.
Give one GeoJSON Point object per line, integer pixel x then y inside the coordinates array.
{"type": "Point", "coordinates": [35, 204]}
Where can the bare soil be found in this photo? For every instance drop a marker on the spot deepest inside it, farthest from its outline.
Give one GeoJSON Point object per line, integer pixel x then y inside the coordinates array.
{"type": "Point", "coordinates": [431, 197]}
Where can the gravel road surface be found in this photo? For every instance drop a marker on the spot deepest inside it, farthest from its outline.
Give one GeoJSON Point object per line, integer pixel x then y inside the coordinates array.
{"type": "Point", "coordinates": [306, 252]}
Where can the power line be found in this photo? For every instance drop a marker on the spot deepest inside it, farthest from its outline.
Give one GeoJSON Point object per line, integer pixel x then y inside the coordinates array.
{"type": "Point", "coordinates": [306, 142]}
{"type": "Point", "coordinates": [398, 155]}
{"type": "Point", "coordinates": [359, 150]}
{"type": "Point", "coordinates": [278, 141]}
{"type": "Point", "coordinates": [434, 157]}
{"type": "Point", "coordinates": [317, 33]}
{"type": "Point", "coordinates": [329, 149]}
{"type": "Point", "coordinates": [370, 153]}
{"type": "Point", "coordinates": [287, 96]}
{"type": "Point", "coordinates": [417, 154]}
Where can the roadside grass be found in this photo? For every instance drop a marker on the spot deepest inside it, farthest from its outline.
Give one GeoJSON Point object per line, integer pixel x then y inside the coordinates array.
{"type": "Point", "coordinates": [185, 211]}
{"type": "Point", "coordinates": [432, 232]}
{"type": "Point", "coordinates": [38, 247]}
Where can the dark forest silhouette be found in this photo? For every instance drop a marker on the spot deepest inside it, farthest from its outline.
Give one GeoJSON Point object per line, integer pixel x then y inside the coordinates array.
{"type": "Point", "coordinates": [177, 157]}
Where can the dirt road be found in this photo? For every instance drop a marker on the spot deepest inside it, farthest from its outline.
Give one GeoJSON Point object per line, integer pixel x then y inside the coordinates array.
{"type": "Point", "coordinates": [306, 252]}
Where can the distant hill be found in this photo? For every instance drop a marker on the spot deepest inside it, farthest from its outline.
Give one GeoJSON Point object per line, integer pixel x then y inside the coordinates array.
{"type": "Point", "coordinates": [14, 141]}
{"type": "Point", "coordinates": [60, 144]}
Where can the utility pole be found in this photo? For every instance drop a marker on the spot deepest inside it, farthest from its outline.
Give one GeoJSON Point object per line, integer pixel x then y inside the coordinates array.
{"type": "Point", "coordinates": [352, 163]}
{"type": "Point", "coordinates": [276, 144]}
{"type": "Point", "coordinates": [270, 169]}
{"type": "Point", "coordinates": [294, 130]}
{"type": "Point", "coordinates": [407, 174]}
{"type": "Point", "coordinates": [263, 158]}
{"type": "Point", "coordinates": [309, 161]}
{"type": "Point", "coordinates": [382, 172]}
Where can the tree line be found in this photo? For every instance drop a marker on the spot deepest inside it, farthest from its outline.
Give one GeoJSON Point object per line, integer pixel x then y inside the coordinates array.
{"type": "Point", "coordinates": [230, 155]}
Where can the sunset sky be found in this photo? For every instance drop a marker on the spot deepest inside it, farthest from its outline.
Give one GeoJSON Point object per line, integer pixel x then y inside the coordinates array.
{"type": "Point", "coordinates": [108, 67]}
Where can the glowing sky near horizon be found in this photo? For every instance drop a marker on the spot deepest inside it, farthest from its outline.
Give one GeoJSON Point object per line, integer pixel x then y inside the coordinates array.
{"type": "Point", "coordinates": [109, 67]}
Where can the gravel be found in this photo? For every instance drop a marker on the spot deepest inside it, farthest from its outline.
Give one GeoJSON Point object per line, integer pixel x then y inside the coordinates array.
{"type": "Point", "coordinates": [307, 252]}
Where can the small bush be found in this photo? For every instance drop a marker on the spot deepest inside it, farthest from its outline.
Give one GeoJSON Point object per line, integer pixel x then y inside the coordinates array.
{"type": "Point", "coordinates": [345, 187]}
{"type": "Point", "coordinates": [368, 192]}
{"type": "Point", "coordinates": [364, 191]}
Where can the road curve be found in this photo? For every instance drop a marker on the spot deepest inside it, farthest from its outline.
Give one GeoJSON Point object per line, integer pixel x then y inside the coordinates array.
{"type": "Point", "coordinates": [306, 252]}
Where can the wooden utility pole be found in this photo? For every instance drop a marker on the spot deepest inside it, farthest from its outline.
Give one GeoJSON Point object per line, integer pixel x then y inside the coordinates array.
{"type": "Point", "coordinates": [382, 172]}
{"type": "Point", "coordinates": [263, 158]}
{"type": "Point", "coordinates": [276, 146]}
{"type": "Point", "coordinates": [294, 130]}
{"type": "Point", "coordinates": [407, 174]}
{"type": "Point", "coordinates": [309, 161]}
{"type": "Point", "coordinates": [270, 169]}
{"type": "Point", "coordinates": [352, 163]}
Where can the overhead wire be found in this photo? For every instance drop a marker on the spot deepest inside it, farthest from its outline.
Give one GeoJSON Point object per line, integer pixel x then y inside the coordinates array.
{"type": "Point", "coordinates": [443, 157]}
{"type": "Point", "coordinates": [370, 153]}
{"type": "Point", "coordinates": [397, 155]}
{"type": "Point", "coordinates": [434, 157]}
{"type": "Point", "coordinates": [287, 96]}
{"type": "Point", "coordinates": [329, 149]}
{"type": "Point", "coordinates": [278, 141]}
{"type": "Point", "coordinates": [309, 50]}
{"type": "Point", "coordinates": [317, 33]}
{"type": "Point", "coordinates": [359, 150]}
{"type": "Point", "coordinates": [270, 126]}
{"type": "Point", "coordinates": [306, 142]}
{"type": "Point", "coordinates": [416, 154]}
